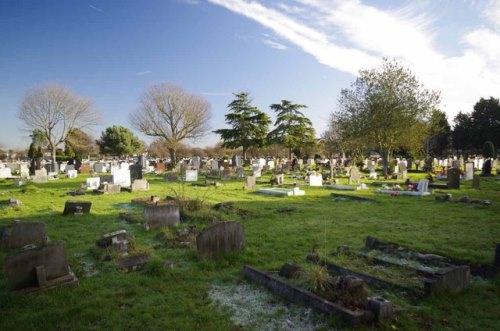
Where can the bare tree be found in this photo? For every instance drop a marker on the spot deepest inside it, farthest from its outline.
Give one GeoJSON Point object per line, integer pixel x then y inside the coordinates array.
{"type": "Point", "coordinates": [56, 111]}
{"type": "Point", "coordinates": [170, 113]}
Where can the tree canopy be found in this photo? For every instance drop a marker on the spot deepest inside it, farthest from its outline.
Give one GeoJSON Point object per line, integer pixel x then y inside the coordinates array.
{"type": "Point", "coordinates": [292, 129]}
{"type": "Point", "coordinates": [78, 144]}
{"type": "Point", "coordinates": [386, 107]}
{"type": "Point", "coordinates": [119, 141]}
{"type": "Point", "coordinates": [482, 124]}
{"type": "Point", "coordinates": [55, 111]}
{"type": "Point", "coordinates": [249, 125]}
{"type": "Point", "coordinates": [170, 113]}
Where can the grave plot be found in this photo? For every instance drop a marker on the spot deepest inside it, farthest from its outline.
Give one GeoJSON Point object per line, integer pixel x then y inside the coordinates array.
{"type": "Point", "coordinates": [348, 197]}
{"type": "Point", "coordinates": [77, 208]}
{"type": "Point", "coordinates": [179, 238]}
{"type": "Point", "coordinates": [463, 199]}
{"type": "Point", "coordinates": [343, 296]}
{"type": "Point", "coordinates": [346, 187]}
{"type": "Point", "coordinates": [421, 190]}
{"type": "Point", "coordinates": [427, 263]}
{"type": "Point", "coordinates": [429, 274]}
{"type": "Point", "coordinates": [40, 268]}
{"type": "Point", "coordinates": [282, 192]}
{"type": "Point", "coordinates": [220, 238]}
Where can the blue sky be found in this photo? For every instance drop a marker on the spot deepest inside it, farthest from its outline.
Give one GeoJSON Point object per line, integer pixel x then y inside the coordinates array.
{"type": "Point", "coordinates": [301, 50]}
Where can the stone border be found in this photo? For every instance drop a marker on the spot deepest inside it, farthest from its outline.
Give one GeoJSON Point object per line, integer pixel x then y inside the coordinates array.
{"type": "Point", "coordinates": [300, 296]}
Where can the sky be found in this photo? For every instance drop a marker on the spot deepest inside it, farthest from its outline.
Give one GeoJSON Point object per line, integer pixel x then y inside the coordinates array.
{"type": "Point", "coordinates": [305, 51]}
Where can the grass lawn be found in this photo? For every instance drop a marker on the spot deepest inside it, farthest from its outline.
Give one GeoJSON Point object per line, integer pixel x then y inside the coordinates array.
{"type": "Point", "coordinates": [179, 299]}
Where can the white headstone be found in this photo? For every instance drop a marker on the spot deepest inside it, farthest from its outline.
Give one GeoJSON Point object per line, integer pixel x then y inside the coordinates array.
{"type": "Point", "coordinates": [191, 175]}
{"type": "Point", "coordinates": [122, 177]}
{"type": "Point", "coordinates": [72, 173]}
{"type": "Point", "coordinates": [315, 179]}
{"type": "Point", "coordinates": [93, 183]}
{"type": "Point", "coordinates": [5, 173]}
{"type": "Point", "coordinates": [469, 171]}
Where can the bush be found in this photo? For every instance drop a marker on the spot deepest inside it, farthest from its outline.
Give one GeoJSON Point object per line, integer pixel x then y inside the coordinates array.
{"type": "Point", "coordinates": [488, 149]}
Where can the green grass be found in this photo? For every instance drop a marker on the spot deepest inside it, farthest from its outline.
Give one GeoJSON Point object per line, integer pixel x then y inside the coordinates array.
{"type": "Point", "coordinates": [178, 299]}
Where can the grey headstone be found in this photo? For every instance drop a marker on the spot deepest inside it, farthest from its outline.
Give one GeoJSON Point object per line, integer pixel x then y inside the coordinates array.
{"type": "Point", "coordinates": [161, 216]}
{"type": "Point", "coordinates": [354, 177]}
{"type": "Point", "coordinates": [24, 233]}
{"type": "Point", "coordinates": [77, 207]}
{"type": "Point", "coordinates": [220, 238]}
{"type": "Point", "coordinates": [453, 178]}
{"type": "Point", "coordinates": [38, 267]}
{"type": "Point", "coordinates": [140, 185]}
{"type": "Point", "coordinates": [476, 181]}
{"type": "Point", "coordinates": [250, 182]}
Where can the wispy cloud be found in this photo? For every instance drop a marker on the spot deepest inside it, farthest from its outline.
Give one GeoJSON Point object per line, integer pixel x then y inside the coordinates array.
{"type": "Point", "coordinates": [145, 72]}
{"type": "Point", "coordinates": [96, 9]}
{"type": "Point", "coordinates": [351, 35]}
{"type": "Point", "coordinates": [190, 2]}
{"type": "Point", "coordinates": [274, 44]}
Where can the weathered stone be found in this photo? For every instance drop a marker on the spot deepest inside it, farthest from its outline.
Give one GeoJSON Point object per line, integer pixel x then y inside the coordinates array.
{"type": "Point", "coordinates": [476, 181]}
{"type": "Point", "coordinates": [354, 176]}
{"type": "Point", "coordinates": [135, 172]}
{"type": "Point", "coordinates": [382, 308]}
{"type": "Point", "coordinates": [73, 207]}
{"type": "Point", "coordinates": [39, 268]}
{"type": "Point", "coordinates": [453, 178]}
{"type": "Point", "coordinates": [108, 188]}
{"type": "Point", "coordinates": [220, 238]}
{"type": "Point", "coordinates": [161, 216]}
{"type": "Point", "coordinates": [140, 185]}
{"type": "Point", "coordinates": [117, 240]}
{"type": "Point", "coordinates": [454, 279]}
{"type": "Point", "coordinates": [250, 182]}
{"type": "Point", "coordinates": [85, 168]}
{"type": "Point", "coordinates": [133, 263]}
{"type": "Point", "coordinates": [24, 233]}
{"type": "Point", "coordinates": [171, 177]}
{"type": "Point", "coordinates": [191, 175]}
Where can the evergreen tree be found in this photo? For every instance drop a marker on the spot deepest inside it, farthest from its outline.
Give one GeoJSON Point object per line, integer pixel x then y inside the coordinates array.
{"type": "Point", "coordinates": [249, 125]}
{"type": "Point", "coordinates": [292, 129]}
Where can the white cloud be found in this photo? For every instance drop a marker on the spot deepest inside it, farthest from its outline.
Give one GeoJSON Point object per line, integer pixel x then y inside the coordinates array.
{"type": "Point", "coordinates": [96, 9]}
{"type": "Point", "coordinates": [274, 44]}
{"type": "Point", "coordinates": [145, 72]}
{"type": "Point", "coordinates": [350, 35]}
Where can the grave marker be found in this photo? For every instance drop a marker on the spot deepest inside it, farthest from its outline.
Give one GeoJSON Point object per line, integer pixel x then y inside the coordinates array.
{"type": "Point", "coordinates": [220, 238]}
{"type": "Point", "coordinates": [161, 216]}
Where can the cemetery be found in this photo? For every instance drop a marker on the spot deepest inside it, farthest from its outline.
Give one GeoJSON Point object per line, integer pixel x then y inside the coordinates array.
{"type": "Point", "coordinates": [355, 259]}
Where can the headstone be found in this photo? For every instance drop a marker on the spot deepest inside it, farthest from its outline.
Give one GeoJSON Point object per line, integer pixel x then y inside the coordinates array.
{"type": "Point", "coordinates": [191, 176]}
{"type": "Point", "coordinates": [24, 233]}
{"type": "Point", "coordinates": [122, 177]}
{"type": "Point", "coordinates": [133, 263]}
{"type": "Point", "coordinates": [256, 172]}
{"type": "Point", "coordinates": [77, 208]}
{"type": "Point", "coordinates": [40, 176]}
{"type": "Point", "coordinates": [5, 173]}
{"type": "Point", "coordinates": [469, 171]}
{"type": "Point", "coordinates": [69, 167]}
{"type": "Point", "coordinates": [220, 238]}
{"type": "Point", "coordinates": [143, 161]}
{"type": "Point", "coordinates": [140, 185]}
{"type": "Point", "coordinates": [85, 168]}
{"type": "Point", "coordinates": [135, 172]}
{"type": "Point", "coordinates": [250, 182]}
{"type": "Point", "coordinates": [214, 165]}
{"type": "Point", "coordinates": [280, 179]}
{"type": "Point", "coordinates": [106, 179]}
{"type": "Point", "coordinates": [315, 179]}
{"type": "Point", "coordinates": [453, 178]}
{"type": "Point", "coordinates": [52, 175]}
{"type": "Point", "coordinates": [108, 188]}
{"type": "Point", "coordinates": [72, 173]}
{"type": "Point", "coordinates": [93, 183]}
{"type": "Point", "coordinates": [271, 165]}
{"type": "Point", "coordinates": [100, 167]}
{"type": "Point", "coordinates": [402, 170]}
{"type": "Point", "coordinates": [117, 240]}
{"type": "Point", "coordinates": [171, 177]}
{"type": "Point", "coordinates": [196, 162]}
{"type": "Point", "coordinates": [161, 216]}
{"type": "Point", "coordinates": [160, 167]}
{"type": "Point", "coordinates": [240, 172]}
{"type": "Point", "coordinates": [354, 176]}
{"type": "Point", "coordinates": [226, 174]}
{"type": "Point", "coordinates": [423, 186]}
{"type": "Point", "coordinates": [39, 268]}
{"type": "Point", "coordinates": [24, 171]}
{"type": "Point", "coordinates": [475, 181]}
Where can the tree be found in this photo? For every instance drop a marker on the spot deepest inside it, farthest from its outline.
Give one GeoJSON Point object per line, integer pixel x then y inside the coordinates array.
{"type": "Point", "coordinates": [170, 113]}
{"type": "Point", "coordinates": [386, 106]}
{"type": "Point", "coordinates": [249, 125]}
{"type": "Point", "coordinates": [483, 124]}
{"type": "Point", "coordinates": [55, 111]}
{"type": "Point", "coordinates": [439, 137]}
{"type": "Point", "coordinates": [292, 129]}
{"type": "Point", "coordinates": [119, 141]}
{"type": "Point", "coordinates": [78, 144]}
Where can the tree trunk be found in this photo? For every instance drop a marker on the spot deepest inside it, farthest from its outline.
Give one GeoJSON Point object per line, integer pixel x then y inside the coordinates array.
{"type": "Point", "coordinates": [385, 158]}
{"type": "Point", "coordinates": [289, 153]}
{"type": "Point", "coordinates": [173, 157]}
{"type": "Point", "coordinates": [244, 153]}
